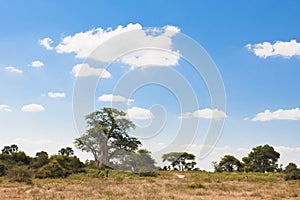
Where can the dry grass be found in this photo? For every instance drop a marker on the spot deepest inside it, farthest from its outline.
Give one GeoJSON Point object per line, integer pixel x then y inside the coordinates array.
{"type": "Point", "coordinates": [195, 185]}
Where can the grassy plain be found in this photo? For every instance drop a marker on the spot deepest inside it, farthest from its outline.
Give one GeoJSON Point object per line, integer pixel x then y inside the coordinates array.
{"type": "Point", "coordinates": [166, 185]}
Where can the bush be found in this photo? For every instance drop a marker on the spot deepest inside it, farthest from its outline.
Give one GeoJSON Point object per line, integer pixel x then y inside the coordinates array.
{"type": "Point", "coordinates": [293, 175]}
{"type": "Point", "coordinates": [52, 170]}
{"type": "Point", "coordinates": [196, 186]}
{"type": "Point", "coordinates": [60, 166]}
{"type": "Point", "coordinates": [20, 174]}
{"type": "Point", "coordinates": [2, 169]}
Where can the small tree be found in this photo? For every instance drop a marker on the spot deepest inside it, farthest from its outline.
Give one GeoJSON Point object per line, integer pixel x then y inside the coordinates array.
{"type": "Point", "coordinates": [68, 151]}
{"type": "Point", "coordinates": [10, 149]}
{"type": "Point", "coordinates": [182, 160]}
{"type": "Point", "coordinates": [290, 167]}
{"type": "Point", "coordinates": [228, 164]}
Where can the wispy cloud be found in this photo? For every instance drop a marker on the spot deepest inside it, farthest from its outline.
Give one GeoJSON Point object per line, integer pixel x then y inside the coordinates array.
{"type": "Point", "coordinates": [13, 70]}
{"type": "Point", "coordinates": [206, 113]}
{"type": "Point", "coordinates": [5, 108]}
{"type": "Point", "coordinates": [32, 108]}
{"type": "Point", "coordinates": [279, 48]}
{"type": "Point", "coordinates": [56, 94]}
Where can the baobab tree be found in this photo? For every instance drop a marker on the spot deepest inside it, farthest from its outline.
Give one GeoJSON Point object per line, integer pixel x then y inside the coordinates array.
{"type": "Point", "coordinates": [107, 136]}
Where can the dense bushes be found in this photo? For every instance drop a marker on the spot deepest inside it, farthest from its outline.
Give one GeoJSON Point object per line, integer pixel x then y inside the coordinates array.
{"type": "Point", "coordinates": [21, 168]}
{"type": "Point", "coordinates": [60, 166]}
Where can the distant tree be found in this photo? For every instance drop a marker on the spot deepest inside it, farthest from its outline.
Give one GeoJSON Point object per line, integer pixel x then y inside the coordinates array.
{"type": "Point", "coordinates": [262, 159]}
{"type": "Point", "coordinates": [290, 167]}
{"type": "Point", "coordinates": [68, 151]}
{"type": "Point", "coordinates": [138, 162]}
{"type": "Point", "coordinates": [107, 136]}
{"type": "Point", "coordinates": [180, 160]}
{"type": "Point", "coordinates": [228, 164]}
{"type": "Point", "coordinates": [10, 149]}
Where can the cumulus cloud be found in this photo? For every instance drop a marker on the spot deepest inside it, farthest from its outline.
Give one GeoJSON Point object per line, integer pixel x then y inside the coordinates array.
{"type": "Point", "coordinates": [32, 108]}
{"type": "Point", "coordinates": [267, 115]}
{"type": "Point", "coordinates": [205, 113]}
{"type": "Point", "coordinates": [37, 63]}
{"type": "Point", "coordinates": [139, 113]}
{"type": "Point", "coordinates": [84, 70]}
{"type": "Point", "coordinates": [56, 94]}
{"type": "Point", "coordinates": [5, 108]}
{"type": "Point", "coordinates": [114, 98]}
{"type": "Point", "coordinates": [13, 70]}
{"type": "Point", "coordinates": [279, 48]}
{"type": "Point", "coordinates": [46, 42]}
{"type": "Point", "coordinates": [84, 43]}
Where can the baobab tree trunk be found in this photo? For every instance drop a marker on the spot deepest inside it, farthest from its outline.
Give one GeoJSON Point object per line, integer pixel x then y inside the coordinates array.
{"type": "Point", "coordinates": [102, 160]}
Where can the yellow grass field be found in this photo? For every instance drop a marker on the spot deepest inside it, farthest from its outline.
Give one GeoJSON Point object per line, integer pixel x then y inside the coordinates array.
{"type": "Point", "coordinates": [167, 185]}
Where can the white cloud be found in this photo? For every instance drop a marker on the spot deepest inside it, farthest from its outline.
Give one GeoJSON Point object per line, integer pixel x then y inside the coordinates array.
{"type": "Point", "coordinates": [146, 58]}
{"type": "Point", "coordinates": [56, 94]}
{"type": "Point", "coordinates": [5, 108]}
{"type": "Point", "coordinates": [205, 113]}
{"type": "Point", "coordinates": [32, 108]}
{"type": "Point", "coordinates": [139, 113]}
{"type": "Point", "coordinates": [46, 42]}
{"type": "Point", "coordinates": [84, 43]}
{"type": "Point", "coordinates": [13, 70]}
{"type": "Point", "coordinates": [37, 63]}
{"type": "Point", "coordinates": [267, 115]}
{"type": "Point", "coordinates": [114, 98]}
{"type": "Point", "coordinates": [84, 70]}
{"type": "Point", "coordinates": [279, 48]}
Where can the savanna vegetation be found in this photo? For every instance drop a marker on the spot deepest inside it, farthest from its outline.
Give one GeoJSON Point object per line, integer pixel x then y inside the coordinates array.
{"type": "Point", "coordinates": [121, 169]}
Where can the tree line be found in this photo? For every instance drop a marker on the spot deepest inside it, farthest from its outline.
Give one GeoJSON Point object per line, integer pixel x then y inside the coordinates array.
{"type": "Point", "coordinates": [107, 139]}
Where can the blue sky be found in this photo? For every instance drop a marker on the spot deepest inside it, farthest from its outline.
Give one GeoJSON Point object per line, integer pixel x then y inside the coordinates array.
{"type": "Point", "coordinates": [255, 46]}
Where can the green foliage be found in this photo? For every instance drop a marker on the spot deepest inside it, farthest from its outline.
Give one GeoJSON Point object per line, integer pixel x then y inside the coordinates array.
{"type": "Point", "coordinates": [228, 164]}
{"type": "Point", "coordinates": [68, 151]}
{"type": "Point", "coordinates": [137, 162]}
{"type": "Point", "coordinates": [293, 175]}
{"type": "Point", "coordinates": [60, 166]}
{"type": "Point", "coordinates": [10, 149]}
{"type": "Point", "coordinates": [196, 186]}
{"type": "Point", "coordinates": [21, 158]}
{"type": "Point", "coordinates": [2, 169]}
{"type": "Point", "coordinates": [182, 160]}
{"type": "Point", "coordinates": [290, 167]}
{"type": "Point", "coordinates": [262, 159]}
{"type": "Point", "coordinates": [20, 174]}
{"type": "Point", "coordinates": [40, 160]}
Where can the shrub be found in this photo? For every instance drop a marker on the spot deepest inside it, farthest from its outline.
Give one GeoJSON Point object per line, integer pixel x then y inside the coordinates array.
{"type": "Point", "coordinates": [2, 169]}
{"type": "Point", "coordinates": [293, 175]}
{"type": "Point", "coordinates": [52, 170]}
{"type": "Point", "coordinates": [196, 186]}
{"type": "Point", "coordinates": [60, 166]}
{"type": "Point", "coordinates": [20, 174]}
